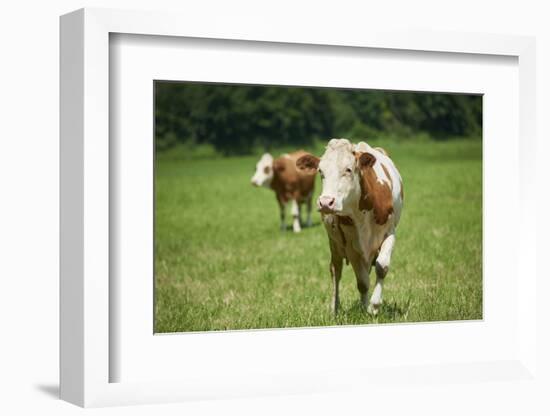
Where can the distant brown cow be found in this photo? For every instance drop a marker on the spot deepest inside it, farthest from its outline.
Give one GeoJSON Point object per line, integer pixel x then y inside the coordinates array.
{"type": "Point", "coordinates": [289, 184]}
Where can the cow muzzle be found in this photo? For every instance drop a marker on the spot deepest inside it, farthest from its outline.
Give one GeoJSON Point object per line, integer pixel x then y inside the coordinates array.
{"type": "Point", "coordinates": [326, 204]}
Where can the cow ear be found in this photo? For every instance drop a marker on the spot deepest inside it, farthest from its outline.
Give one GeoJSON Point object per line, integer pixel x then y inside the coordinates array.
{"type": "Point", "coordinates": [308, 163]}
{"type": "Point", "coordinates": [366, 160]}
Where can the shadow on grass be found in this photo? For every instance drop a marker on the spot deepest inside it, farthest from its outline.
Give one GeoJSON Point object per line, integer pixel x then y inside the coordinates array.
{"type": "Point", "coordinates": [393, 310]}
{"type": "Point", "coordinates": [304, 226]}
{"type": "Point", "coordinates": [389, 312]}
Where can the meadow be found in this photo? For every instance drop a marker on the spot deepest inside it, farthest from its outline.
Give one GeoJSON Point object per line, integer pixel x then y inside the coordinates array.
{"type": "Point", "coordinates": [221, 262]}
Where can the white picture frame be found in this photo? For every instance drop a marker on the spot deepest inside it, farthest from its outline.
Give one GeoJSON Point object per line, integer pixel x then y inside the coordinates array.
{"type": "Point", "coordinates": [85, 354]}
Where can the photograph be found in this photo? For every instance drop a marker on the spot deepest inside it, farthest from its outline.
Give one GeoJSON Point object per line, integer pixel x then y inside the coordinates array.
{"type": "Point", "coordinates": [299, 206]}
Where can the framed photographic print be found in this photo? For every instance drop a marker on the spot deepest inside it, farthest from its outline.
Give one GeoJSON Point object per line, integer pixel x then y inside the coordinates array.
{"type": "Point", "coordinates": [221, 262]}
{"type": "Point", "coordinates": [236, 207]}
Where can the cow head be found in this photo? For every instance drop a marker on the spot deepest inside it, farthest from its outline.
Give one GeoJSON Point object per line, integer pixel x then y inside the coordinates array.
{"type": "Point", "coordinates": [263, 174]}
{"type": "Point", "coordinates": [340, 169]}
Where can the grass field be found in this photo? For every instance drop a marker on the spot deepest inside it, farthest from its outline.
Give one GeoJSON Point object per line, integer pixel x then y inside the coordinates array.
{"type": "Point", "coordinates": [222, 263]}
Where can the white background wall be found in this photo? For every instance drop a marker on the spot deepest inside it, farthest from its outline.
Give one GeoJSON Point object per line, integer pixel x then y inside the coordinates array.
{"type": "Point", "coordinates": [29, 184]}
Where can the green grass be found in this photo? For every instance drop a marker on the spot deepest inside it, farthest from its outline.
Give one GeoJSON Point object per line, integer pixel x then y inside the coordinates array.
{"type": "Point", "coordinates": [222, 263]}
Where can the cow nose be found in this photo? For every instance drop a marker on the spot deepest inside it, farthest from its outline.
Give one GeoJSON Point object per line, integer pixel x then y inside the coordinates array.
{"type": "Point", "coordinates": [326, 202]}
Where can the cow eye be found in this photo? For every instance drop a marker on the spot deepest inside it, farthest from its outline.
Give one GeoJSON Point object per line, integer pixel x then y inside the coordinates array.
{"type": "Point", "coordinates": [348, 170]}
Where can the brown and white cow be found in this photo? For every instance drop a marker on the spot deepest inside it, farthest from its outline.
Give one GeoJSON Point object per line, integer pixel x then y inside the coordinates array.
{"type": "Point", "coordinates": [289, 183]}
{"type": "Point", "coordinates": [360, 205]}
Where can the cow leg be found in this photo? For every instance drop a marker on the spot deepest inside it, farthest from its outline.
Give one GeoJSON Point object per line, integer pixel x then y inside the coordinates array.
{"type": "Point", "coordinates": [308, 223]}
{"type": "Point", "coordinates": [361, 270]}
{"type": "Point", "coordinates": [282, 208]}
{"type": "Point", "coordinates": [336, 263]}
{"type": "Point", "coordinates": [295, 209]}
{"type": "Point", "coordinates": [382, 265]}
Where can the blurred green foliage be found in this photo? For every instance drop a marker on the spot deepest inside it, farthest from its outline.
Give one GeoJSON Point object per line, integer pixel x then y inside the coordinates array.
{"type": "Point", "coordinates": [239, 119]}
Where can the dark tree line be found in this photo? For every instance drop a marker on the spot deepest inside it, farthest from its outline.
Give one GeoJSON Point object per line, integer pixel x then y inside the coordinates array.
{"type": "Point", "coordinates": [236, 119]}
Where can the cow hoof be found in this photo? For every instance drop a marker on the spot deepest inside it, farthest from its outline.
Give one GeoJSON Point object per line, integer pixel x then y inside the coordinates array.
{"type": "Point", "coordinates": [373, 309]}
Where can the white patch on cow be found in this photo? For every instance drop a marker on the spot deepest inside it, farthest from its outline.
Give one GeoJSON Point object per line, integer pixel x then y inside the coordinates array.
{"type": "Point", "coordinates": [295, 210]}
{"type": "Point", "coordinates": [380, 174]}
{"type": "Point", "coordinates": [382, 266]}
{"type": "Point", "coordinates": [264, 171]}
{"type": "Point", "coordinates": [386, 249]}
{"type": "Point", "coordinates": [376, 298]}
